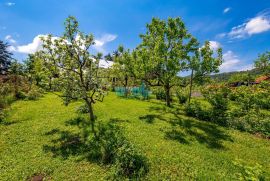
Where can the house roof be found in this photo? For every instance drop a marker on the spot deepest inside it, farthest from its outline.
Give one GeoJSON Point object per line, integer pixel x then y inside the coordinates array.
{"type": "Point", "coordinates": [262, 78]}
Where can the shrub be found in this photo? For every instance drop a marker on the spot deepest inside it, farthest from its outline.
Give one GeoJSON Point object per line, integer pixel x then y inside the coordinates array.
{"type": "Point", "coordinates": [265, 85]}
{"type": "Point", "coordinates": [110, 139]}
{"type": "Point", "coordinates": [34, 93]}
{"type": "Point", "coordinates": [194, 109]}
{"type": "Point", "coordinates": [5, 101]}
{"type": "Point", "coordinates": [248, 172]}
{"type": "Point", "coordinates": [246, 98]}
{"type": "Point", "coordinates": [233, 95]}
{"type": "Point", "coordinates": [252, 97]}
{"type": "Point", "coordinates": [252, 123]}
{"type": "Point", "coordinates": [182, 97]}
{"type": "Point", "coordinates": [6, 97]}
{"type": "Point", "coordinates": [2, 115]}
{"type": "Point", "coordinates": [263, 95]}
{"type": "Point", "coordinates": [5, 89]}
{"type": "Point", "coordinates": [217, 96]}
{"type": "Point", "coordinates": [20, 95]}
{"type": "Point", "coordinates": [112, 147]}
{"type": "Point", "coordinates": [265, 103]}
{"type": "Point", "coordinates": [130, 162]}
{"type": "Point", "coordinates": [18, 86]}
{"type": "Point", "coordinates": [160, 94]}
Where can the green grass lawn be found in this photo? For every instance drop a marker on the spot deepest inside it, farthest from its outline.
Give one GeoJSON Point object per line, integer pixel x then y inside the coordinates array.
{"type": "Point", "coordinates": [177, 147]}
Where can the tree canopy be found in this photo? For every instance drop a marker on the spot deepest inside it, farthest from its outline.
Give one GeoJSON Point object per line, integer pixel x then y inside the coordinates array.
{"type": "Point", "coordinates": [204, 62]}
{"type": "Point", "coordinates": [78, 69]}
{"type": "Point", "coordinates": [165, 50]}
{"type": "Point", "coordinates": [5, 57]}
{"type": "Point", "coordinates": [263, 62]}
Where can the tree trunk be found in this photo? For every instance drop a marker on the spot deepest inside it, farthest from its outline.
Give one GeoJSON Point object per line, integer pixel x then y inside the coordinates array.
{"type": "Point", "coordinates": [126, 83]}
{"type": "Point", "coordinates": [37, 82]}
{"type": "Point", "coordinates": [91, 116]}
{"type": "Point", "coordinates": [31, 83]}
{"type": "Point", "coordinates": [190, 87]}
{"type": "Point", "coordinates": [113, 84]}
{"type": "Point", "coordinates": [168, 99]}
{"type": "Point", "coordinates": [50, 83]}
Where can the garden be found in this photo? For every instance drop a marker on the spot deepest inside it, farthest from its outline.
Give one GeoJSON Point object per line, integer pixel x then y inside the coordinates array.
{"type": "Point", "coordinates": [63, 117]}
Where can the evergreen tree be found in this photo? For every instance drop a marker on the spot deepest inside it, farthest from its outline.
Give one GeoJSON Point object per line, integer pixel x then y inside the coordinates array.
{"type": "Point", "coordinates": [5, 58]}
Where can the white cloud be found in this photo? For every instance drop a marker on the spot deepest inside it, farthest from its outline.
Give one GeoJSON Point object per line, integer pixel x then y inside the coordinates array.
{"type": "Point", "coordinates": [226, 10]}
{"type": "Point", "coordinates": [36, 44]}
{"type": "Point", "coordinates": [7, 37]}
{"type": "Point", "coordinates": [246, 67]}
{"type": "Point", "coordinates": [214, 45]}
{"type": "Point", "coordinates": [10, 4]}
{"type": "Point", "coordinates": [221, 35]}
{"type": "Point", "coordinates": [10, 39]}
{"type": "Point", "coordinates": [106, 38]}
{"type": "Point", "coordinates": [32, 47]}
{"type": "Point", "coordinates": [233, 63]}
{"type": "Point", "coordinates": [256, 25]}
{"type": "Point", "coordinates": [230, 63]}
{"type": "Point", "coordinates": [105, 64]}
{"type": "Point", "coordinates": [11, 48]}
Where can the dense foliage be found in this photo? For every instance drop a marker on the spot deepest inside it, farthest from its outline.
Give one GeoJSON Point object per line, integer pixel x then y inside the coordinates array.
{"type": "Point", "coordinates": [263, 62]}
{"type": "Point", "coordinates": [241, 108]}
{"type": "Point", "coordinates": [164, 52]}
{"type": "Point", "coordinates": [5, 58]}
{"type": "Point", "coordinates": [78, 76]}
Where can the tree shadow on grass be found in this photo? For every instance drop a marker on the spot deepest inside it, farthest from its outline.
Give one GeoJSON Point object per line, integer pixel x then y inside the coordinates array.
{"type": "Point", "coordinates": [8, 123]}
{"type": "Point", "coordinates": [82, 143]}
{"type": "Point", "coordinates": [150, 118]}
{"type": "Point", "coordinates": [52, 132]}
{"type": "Point", "coordinates": [109, 147]}
{"type": "Point", "coordinates": [118, 120]}
{"type": "Point", "coordinates": [176, 135]}
{"type": "Point", "coordinates": [77, 143]}
{"type": "Point", "coordinates": [68, 144]}
{"type": "Point", "coordinates": [185, 130]}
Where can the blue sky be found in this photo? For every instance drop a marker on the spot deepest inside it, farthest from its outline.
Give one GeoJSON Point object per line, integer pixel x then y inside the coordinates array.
{"type": "Point", "coordinates": [241, 28]}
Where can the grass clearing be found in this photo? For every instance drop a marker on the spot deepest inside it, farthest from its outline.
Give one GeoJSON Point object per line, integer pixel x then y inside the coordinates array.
{"type": "Point", "coordinates": [177, 147]}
